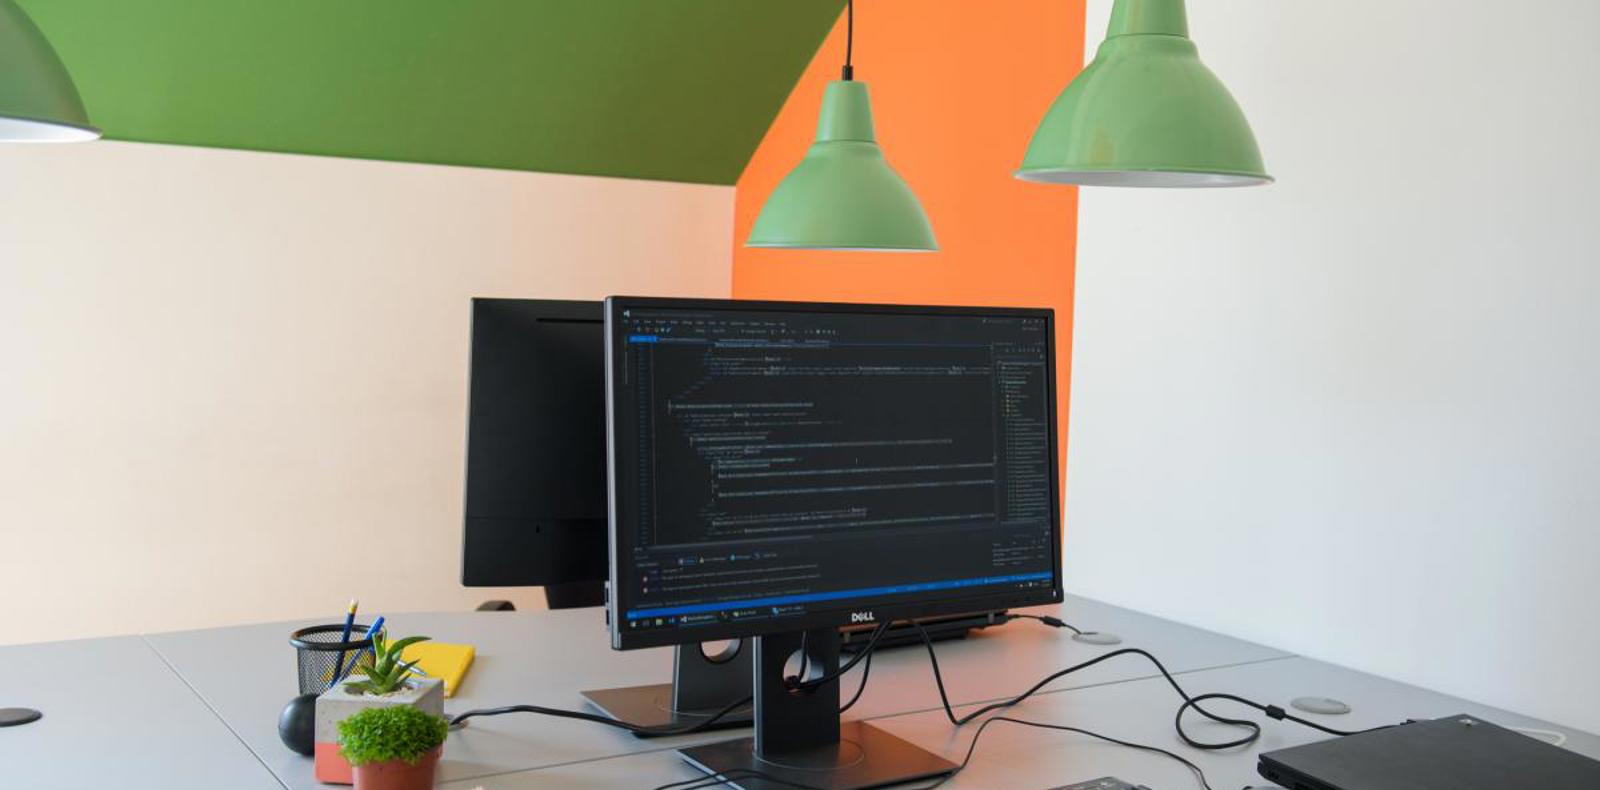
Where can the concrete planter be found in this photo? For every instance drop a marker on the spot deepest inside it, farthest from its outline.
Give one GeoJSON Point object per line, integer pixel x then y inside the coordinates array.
{"type": "Point", "coordinates": [336, 704]}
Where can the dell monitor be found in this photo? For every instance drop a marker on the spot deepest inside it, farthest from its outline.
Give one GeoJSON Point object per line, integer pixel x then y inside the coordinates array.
{"type": "Point", "coordinates": [535, 491]}
{"type": "Point", "coordinates": [778, 470]}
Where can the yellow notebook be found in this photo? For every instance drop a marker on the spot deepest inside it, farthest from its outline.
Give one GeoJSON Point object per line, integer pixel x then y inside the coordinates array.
{"type": "Point", "coordinates": [444, 661]}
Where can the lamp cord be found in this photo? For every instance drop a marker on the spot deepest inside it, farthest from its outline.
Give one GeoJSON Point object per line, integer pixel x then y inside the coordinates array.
{"type": "Point", "coordinates": [849, 38]}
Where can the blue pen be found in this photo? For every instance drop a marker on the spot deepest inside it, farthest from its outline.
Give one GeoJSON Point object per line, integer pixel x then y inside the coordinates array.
{"type": "Point", "coordinates": [344, 637]}
{"type": "Point", "coordinates": [372, 630]}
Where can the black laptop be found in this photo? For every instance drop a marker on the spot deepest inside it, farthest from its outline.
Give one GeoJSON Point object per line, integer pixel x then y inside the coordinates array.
{"type": "Point", "coordinates": [1454, 753]}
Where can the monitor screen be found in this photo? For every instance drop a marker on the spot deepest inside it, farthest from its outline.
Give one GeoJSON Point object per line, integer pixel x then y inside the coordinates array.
{"type": "Point", "coordinates": [535, 511]}
{"type": "Point", "coordinates": [780, 466]}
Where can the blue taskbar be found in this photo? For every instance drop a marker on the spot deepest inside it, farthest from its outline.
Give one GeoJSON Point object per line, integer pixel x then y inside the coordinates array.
{"type": "Point", "coordinates": [862, 592]}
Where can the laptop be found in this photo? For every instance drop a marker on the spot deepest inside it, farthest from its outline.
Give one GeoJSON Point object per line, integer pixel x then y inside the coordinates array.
{"type": "Point", "coordinates": [1453, 753]}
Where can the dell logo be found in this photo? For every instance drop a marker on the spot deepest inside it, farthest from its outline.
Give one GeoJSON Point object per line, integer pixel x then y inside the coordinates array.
{"type": "Point", "coordinates": [860, 617]}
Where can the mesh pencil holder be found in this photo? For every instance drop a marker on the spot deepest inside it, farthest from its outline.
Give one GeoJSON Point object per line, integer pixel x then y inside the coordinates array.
{"type": "Point", "coordinates": [320, 651]}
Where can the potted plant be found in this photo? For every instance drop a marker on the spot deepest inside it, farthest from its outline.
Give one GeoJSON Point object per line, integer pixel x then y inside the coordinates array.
{"type": "Point", "coordinates": [395, 747]}
{"type": "Point", "coordinates": [381, 679]}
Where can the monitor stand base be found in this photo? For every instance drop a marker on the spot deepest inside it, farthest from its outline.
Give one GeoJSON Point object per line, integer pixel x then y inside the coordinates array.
{"type": "Point", "coordinates": [651, 706]}
{"type": "Point", "coordinates": [799, 740]}
{"type": "Point", "coordinates": [864, 757]}
{"type": "Point", "coordinates": [701, 686]}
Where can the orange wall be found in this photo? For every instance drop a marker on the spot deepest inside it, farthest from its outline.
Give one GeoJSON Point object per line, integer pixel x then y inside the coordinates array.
{"type": "Point", "coordinates": [957, 88]}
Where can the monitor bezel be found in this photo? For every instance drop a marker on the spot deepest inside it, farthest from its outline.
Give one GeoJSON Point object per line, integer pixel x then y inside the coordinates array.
{"type": "Point", "coordinates": [624, 639]}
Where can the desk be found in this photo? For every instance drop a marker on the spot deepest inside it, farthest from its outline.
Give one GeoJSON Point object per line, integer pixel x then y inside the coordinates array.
{"type": "Point", "coordinates": [115, 715]}
{"type": "Point", "coordinates": [198, 709]}
{"type": "Point", "coordinates": [548, 657]}
{"type": "Point", "coordinates": [1025, 758]}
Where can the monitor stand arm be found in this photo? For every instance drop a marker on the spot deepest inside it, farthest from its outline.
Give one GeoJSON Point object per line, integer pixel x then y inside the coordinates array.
{"type": "Point", "coordinates": [701, 685]}
{"type": "Point", "coordinates": [799, 739]}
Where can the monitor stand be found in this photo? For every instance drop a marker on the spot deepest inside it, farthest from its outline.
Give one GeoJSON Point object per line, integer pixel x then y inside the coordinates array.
{"type": "Point", "coordinates": [799, 739]}
{"type": "Point", "coordinates": [701, 685]}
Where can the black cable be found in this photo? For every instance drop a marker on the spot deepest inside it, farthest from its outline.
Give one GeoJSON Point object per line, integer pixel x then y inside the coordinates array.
{"type": "Point", "coordinates": [792, 682]}
{"type": "Point", "coordinates": [829, 677]}
{"type": "Point", "coordinates": [973, 746]}
{"type": "Point", "coordinates": [1272, 711]}
{"type": "Point", "coordinates": [849, 38]}
{"type": "Point", "coordinates": [1050, 621]}
{"type": "Point", "coordinates": [734, 775]}
{"type": "Point", "coordinates": [866, 669]}
{"type": "Point", "coordinates": [805, 660]}
{"type": "Point", "coordinates": [642, 729]}
{"type": "Point", "coordinates": [1277, 713]}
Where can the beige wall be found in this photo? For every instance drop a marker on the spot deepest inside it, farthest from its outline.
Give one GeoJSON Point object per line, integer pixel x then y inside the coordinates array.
{"type": "Point", "coordinates": [233, 385]}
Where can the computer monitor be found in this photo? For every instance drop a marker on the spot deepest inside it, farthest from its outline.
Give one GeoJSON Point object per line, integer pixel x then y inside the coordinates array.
{"type": "Point", "coordinates": [536, 490]}
{"type": "Point", "coordinates": [535, 510]}
{"type": "Point", "coordinates": [778, 470]}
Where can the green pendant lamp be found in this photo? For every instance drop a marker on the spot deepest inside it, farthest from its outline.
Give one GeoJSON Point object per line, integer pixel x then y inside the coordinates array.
{"type": "Point", "coordinates": [38, 102]}
{"type": "Point", "coordinates": [843, 195]}
{"type": "Point", "coordinates": [1145, 113]}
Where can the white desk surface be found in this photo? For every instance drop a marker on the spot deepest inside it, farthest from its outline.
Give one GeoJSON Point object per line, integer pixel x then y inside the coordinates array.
{"type": "Point", "coordinates": [1025, 758]}
{"type": "Point", "coordinates": [115, 715]}
{"type": "Point", "coordinates": [548, 657]}
{"type": "Point", "coordinates": [199, 709]}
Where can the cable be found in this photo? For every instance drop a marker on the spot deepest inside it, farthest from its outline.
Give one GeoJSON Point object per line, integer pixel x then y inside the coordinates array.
{"type": "Point", "coordinates": [725, 777]}
{"type": "Point", "coordinates": [829, 677]}
{"type": "Point", "coordinates": [1050, 621]}
{"type": "Point", "coordinates": [973, 746]}
{"type": "Point", "coordinates": [849, 72]}
{"type": "Point", "coordinates": [714, 780]}
{"type": "Point", "coordinates": [866, 669]}
{"type": "Point", "coordinates": [1272, 711]}
{"type": "Point", "coordinates": [793, 682]}
{"type": "Point", "coordinates": [685, 729]}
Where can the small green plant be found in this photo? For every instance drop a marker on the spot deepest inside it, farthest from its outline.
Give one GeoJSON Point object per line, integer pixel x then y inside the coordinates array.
{"type": "Point", "coordinates": [390, 732]}
{"type": "Point", "coordinates": [385, 670]}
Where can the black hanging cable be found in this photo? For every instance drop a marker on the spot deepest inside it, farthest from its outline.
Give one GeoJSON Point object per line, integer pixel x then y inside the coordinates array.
{"type": "Point", "coordinates": [829, 677]}
{"type": "Point", "coordinates": [849, 38]}
{"type": "Point", "coordinates": [866, 669]}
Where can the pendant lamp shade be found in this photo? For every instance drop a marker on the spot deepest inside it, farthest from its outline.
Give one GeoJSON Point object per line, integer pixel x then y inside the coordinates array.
{"type": "Point", "coordinates": [844, 195]}
{"type": "Point", "coordinates": [38, 102]}
{"type": "Point", "coordinates": [1145, 113]}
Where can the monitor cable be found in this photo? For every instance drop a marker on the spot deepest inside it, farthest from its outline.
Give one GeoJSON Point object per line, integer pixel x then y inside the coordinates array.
{"type": "Point", "coordinates": [640, 729]}
{"type": "Point", "coordinates": [793, 681]}
{"type": "Point", "coordinates": [1271, 711]}
{"type": "Point", "coordinates": [1054, 622]}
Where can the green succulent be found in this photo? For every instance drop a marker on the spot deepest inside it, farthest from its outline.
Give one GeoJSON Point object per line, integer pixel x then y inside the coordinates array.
{"type": "Point", "coordinates": [390, 732]}
{"type": "Point", "coordinates": [385, 671]}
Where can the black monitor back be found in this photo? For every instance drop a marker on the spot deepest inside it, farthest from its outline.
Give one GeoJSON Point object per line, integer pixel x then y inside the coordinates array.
{"type": "Point", "coordinates": [536, 448]}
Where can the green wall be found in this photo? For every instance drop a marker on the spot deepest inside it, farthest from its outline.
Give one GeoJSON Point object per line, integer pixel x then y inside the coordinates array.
{"type": "Point", "coordinates": [679, 90]}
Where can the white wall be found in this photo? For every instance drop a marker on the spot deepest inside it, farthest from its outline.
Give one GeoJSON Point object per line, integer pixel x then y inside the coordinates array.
{"type": "Point", "coordinates": [234, 383]}
{"type": "Point", "coordinates": [1357, 414]}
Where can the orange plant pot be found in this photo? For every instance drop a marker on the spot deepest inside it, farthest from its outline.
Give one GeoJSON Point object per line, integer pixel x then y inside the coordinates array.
{"type": "Point", "coordinates": [399, 774]}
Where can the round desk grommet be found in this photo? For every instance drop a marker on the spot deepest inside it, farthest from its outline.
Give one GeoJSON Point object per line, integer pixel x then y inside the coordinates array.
{"type": "Point", "coordinates": [1097, 638]}
{"type": "Point", "coordinates": [11, 717]}
{"type": "Point", "coordinates": [1324, 705]}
